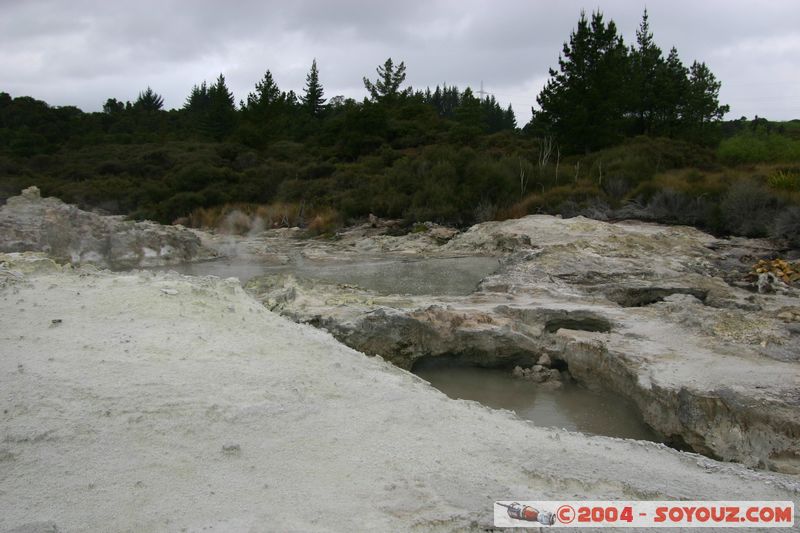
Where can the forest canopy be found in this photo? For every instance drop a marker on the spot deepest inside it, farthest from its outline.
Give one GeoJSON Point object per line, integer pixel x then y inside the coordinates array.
{"type": "Point", "coordinates": [611, 124]}
{"type": "Point", "coordinates": [604, 90]}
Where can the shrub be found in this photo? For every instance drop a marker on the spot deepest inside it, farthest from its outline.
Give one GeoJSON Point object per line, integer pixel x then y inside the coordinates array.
{"type": "Point", "coordinates": [110, 167]}
{"type": "Point", "coordinates": [419, 228]}
{"type": "Point", "coordinates": [484, 211]}
{"type": "Point", "coordinates": [569, 200]}
{"type": "Point", "coordinates": [786, 180]}
{"type": "Point", "coordinates": [243, 218]}
{"type": "Point", "coordinates": [675, 207]}
{"type": "Point", "coordinates": [178, 206]}
{"type": "Point", "coordinates": [759, 148]}
{"type": "Point", "coordinates": [787, 226]}
{"type": "Point", "coordinates": [641, 158]}
{"type": "Point", "coordinates": [324, 221]}
{"type": "Point", "coordinates": [280, 214]}
{"type": "Point", "coordinates": [616, 188]}
{"type": "Point", "coordinates": [595, 208]}
{"type": "Point", "coordinates": [748, 208]}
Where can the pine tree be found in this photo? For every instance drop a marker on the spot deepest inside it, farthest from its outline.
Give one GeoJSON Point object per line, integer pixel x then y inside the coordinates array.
{"type": "Point", "coordinates": [451, 100]}
{"type": "Point", "coordinates": [444, 99]}
{"type": "Point", "coordinates": [291, 99]}
{"type": "Point", "coordinates": [584, 102]}
{"type": "Point", "coordinates": [266, 94]}
{"type": "Point", "coordinates": [469, 112]}
{"type": "Point", "coordinates": [495, 117]}
{"type": "Point", "coordinates": [312, 98]}
{"type": "Point", "coordinates": [673, 90]}
{"type": "Point", "coordinates": [220, 96]}
{"type": "Point", "coordinates": [113, 106]}
{"type": "Point", "coordinates": [702, 102]}
{"type": "Point", "coordinates": [220, 116]}
{"type": "Point", "coordinates": [268, 113]}
{"type": "Point", "coordinates": [434, 99]}
{"type": "Point", "coordinates": [386, 88]}
{"type": "Point", "coordinates": [647, 71]}
{"type": "Point", "coordinates": [149, 101]}
{"type": "Point", "coordinates": [510, 119]}
{"type": "Point", "coordinates": [492, 114]}
{"type": "Point", "coordinates": [197, 101]}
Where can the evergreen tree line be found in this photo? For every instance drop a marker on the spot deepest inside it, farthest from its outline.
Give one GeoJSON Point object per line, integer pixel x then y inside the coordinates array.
{"type": "Point", "coordinates": [391, 113]}
{"type": "Point", "coordinates": [604, 91]}
{"type": "Point", "coordinates": [269, 112]}
{"type": "Point", "coordinates": [449, 102]}
{"type": "Point", "coordinates": [397, 153]}
{"type": "Point", "coordinates": [440, 154]}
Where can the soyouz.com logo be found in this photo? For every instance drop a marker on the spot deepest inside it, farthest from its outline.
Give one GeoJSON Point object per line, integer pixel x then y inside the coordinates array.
{"type": "Point", "coordinates": [760, 514]}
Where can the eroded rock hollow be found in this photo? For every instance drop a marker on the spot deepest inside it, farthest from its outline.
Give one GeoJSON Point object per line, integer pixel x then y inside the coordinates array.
{"type": "Point", "coordinates": [651, 312]}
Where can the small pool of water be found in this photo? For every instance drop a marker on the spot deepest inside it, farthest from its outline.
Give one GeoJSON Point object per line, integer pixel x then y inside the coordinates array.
{"type": "Point", "coordinates": [571, 407]}
{"type": "Point", "coordinates": [453, 276]}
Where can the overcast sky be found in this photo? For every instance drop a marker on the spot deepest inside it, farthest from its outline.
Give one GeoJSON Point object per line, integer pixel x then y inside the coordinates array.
{"type": "Point", "coordinates": [81, 52]}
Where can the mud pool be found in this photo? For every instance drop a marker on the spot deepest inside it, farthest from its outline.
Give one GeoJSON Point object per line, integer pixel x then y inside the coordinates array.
{"type": "Point", "coordinates": [451, 276]}
{"type": "Point", "coordinates": [571, 407]}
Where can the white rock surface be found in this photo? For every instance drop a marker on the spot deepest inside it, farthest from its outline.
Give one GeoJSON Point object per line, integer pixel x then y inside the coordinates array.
{"type": "Point", "coordinates": [654, 313]}
{"type": "Point", "coordinates": [149, 411]}
{"type": "Point", "coordinates": [30, 223]}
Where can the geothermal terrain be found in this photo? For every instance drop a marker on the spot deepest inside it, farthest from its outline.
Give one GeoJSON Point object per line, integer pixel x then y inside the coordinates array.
{"type": "Point", "coordinates": [284, 399]}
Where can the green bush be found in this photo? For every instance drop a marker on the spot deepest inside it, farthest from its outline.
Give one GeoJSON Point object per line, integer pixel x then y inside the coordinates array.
{"type": "Point", "coordinates": [759, 148]}
{"type": "Point", "coordinates": [787, 180]}
{"type": "Point", "coordinates": [640, 158]}
{"type": "Point", "coordinates": [401, 161]}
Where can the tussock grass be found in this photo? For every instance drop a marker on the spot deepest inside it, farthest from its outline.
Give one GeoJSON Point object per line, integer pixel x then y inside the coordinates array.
{"type": "Point", "coordinates": [246, 218]}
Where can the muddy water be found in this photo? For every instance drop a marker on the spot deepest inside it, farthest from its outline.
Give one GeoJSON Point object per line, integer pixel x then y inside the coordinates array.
{"type": "Point", "coordinates": [572, 407]}
{"type": "Point", "coordinates": [446, 276]}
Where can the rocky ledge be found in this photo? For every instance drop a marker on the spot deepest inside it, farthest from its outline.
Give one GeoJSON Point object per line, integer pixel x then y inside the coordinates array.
{"type": "Point", "coordinates": [68, 234]}
{"type": "Point", "coordinates": [156, 402]}
{"type": "Point", "coordinates": [658, 314]}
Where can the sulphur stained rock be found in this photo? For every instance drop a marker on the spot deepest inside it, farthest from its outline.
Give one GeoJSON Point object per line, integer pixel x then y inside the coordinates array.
{"type": "Point", "coordinates": [648, 311]}
{"type": "Point", "coordinates": [70, 235]}
{"type": "Point", "coordinates": [537, 373]}
{"type": "Point", "coordinates": [179, 416]}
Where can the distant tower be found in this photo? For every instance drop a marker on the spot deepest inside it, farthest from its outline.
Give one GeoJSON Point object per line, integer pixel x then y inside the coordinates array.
{"type": "Point", "coordinates": [482, 92]}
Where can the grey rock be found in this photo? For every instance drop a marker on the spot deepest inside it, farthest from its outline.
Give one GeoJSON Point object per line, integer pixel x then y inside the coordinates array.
{"type": "Point", "coordinates": [231, 449]}
{"type": "Point", "coordinates": [36, 527]}
{"type": "Point", "coordinates": [647, 311]}
{"type": "Point", "coordinates": [30, 223]}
